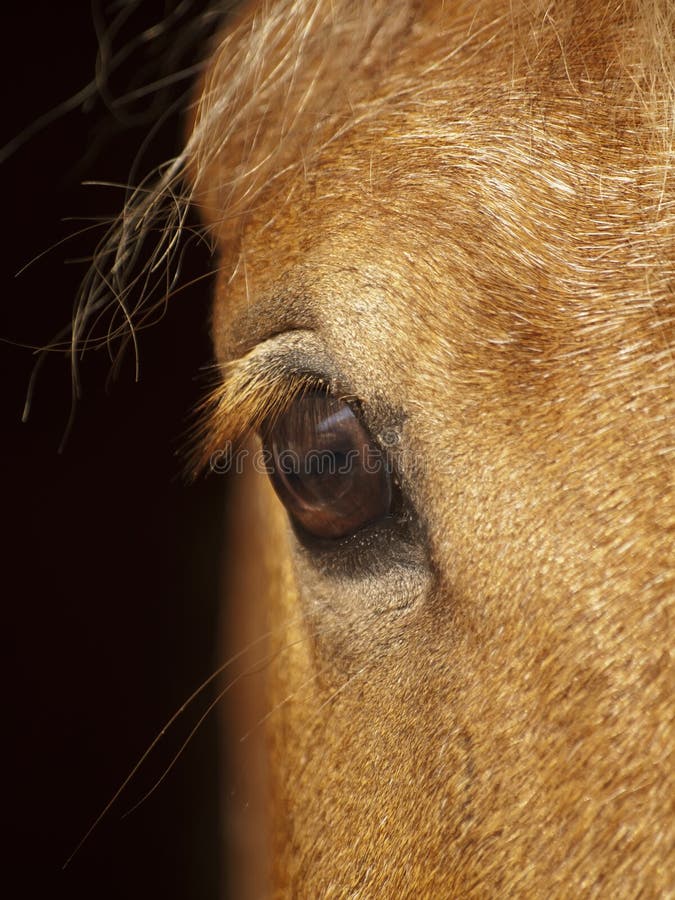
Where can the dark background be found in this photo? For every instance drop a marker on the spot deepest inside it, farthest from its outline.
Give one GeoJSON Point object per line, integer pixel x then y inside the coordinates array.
{"type": "Point", "coordinates": [110, 562]}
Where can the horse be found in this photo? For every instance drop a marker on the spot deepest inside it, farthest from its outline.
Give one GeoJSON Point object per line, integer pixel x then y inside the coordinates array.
{"type": "Point", "coordinates": [443, 325]}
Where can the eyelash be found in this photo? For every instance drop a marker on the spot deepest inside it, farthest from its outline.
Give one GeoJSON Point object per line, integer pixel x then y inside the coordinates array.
{"type": "Point", "coordinates": [238, 405]}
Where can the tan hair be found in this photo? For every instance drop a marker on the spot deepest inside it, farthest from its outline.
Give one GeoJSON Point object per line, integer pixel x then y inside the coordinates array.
{"type": "Point", "coordinates": [304, 72]}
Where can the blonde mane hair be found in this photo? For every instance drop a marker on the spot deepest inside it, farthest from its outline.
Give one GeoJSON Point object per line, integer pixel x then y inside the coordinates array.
{"type": "Point", "coordinates": [288, 78]}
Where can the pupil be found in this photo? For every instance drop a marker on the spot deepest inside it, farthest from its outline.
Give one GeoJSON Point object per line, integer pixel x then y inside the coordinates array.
{"type": "Point", "coordinates": [326, 469]}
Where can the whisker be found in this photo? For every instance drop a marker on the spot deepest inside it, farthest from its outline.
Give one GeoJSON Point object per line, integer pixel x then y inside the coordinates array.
{"type": "Point", "coordinates": [167, 725]}
{"type": "Point", "coordinates": [282, 703]}
{"type": "Point", "coordinates": [346, 684]}
{"type": "Point", "coordinates": [258, 667]}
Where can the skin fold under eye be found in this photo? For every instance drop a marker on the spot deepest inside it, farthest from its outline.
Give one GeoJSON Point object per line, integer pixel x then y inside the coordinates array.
{"type": "Point", "coordinates": [328, 472]}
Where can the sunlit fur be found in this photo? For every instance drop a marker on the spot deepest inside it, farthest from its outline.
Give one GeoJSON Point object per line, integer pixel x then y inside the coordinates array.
{"type": "Point", "coordinates": [471, 206]}
{"type": "Point", "coordinates": [250, 391]}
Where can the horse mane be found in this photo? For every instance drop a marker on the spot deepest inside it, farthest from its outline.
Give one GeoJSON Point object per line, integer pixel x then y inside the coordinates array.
{"type": "Point", "coordinates": [289, 77]}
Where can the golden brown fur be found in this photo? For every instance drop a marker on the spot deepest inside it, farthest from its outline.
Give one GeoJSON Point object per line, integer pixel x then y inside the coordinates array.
{"type": "Point", "coordinates": [468, 209]}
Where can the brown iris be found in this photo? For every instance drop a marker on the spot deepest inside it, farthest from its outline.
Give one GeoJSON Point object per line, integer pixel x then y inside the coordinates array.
{"type": "Point", "coordinates": [328, 472]}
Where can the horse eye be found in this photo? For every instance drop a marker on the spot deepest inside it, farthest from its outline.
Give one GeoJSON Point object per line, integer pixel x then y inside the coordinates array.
{"type": "Point", "coordinates": [328, 472]}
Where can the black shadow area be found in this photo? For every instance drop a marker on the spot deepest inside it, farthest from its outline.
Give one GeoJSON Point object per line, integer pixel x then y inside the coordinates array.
{"type": "Point", "coordinates": [110, 563]}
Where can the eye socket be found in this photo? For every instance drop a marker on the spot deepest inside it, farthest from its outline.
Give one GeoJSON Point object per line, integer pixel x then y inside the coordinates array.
{"type": "Point", "coordinates": [328, 472]}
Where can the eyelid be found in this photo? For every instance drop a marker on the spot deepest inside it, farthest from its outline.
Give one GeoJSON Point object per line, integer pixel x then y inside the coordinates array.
{"type": "Point", "coordinates": [255, 388]}
{"type": "Point", "coordinates": [271, 317]}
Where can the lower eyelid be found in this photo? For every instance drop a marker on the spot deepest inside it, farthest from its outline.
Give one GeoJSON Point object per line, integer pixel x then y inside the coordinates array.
{"type": "Point", "coordinates": [374, 553]}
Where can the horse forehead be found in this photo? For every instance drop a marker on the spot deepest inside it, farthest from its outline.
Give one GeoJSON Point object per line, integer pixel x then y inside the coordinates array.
{"type": "Point", "coordinates": [425, 251]}
{"type": "Point", "coordinates": [511, 205]}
